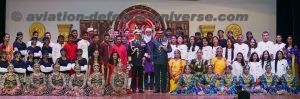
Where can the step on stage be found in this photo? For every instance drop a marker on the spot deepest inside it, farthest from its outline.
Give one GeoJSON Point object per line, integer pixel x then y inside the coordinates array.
{"type": "Point", "coordinates": [151, 95]}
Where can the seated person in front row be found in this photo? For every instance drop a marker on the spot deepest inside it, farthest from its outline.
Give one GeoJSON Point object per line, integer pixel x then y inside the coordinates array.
{"type": "Point", "coordinates": [11, 83]}
{"type": "Point", "coordinates": [77, 83]}
{"type": "Point", "coordinates": [207, 81]}
{"type": "Point", "coordinates": [118, 82]}
{"type": "Point", "coordinates": [289, 82]}
{"type": "Point", "coordinates": [269, 81]}
{"type": "Point", "coordinates": [187, 83]}
{"type": "Point", "coordinates": [228, 82]}
{"type": "Point", "coordinates": [96, 82]}
{"type": "Point", "coordinates": [57, 82]}
{"type": "Point", "coordinates": [37, 85]}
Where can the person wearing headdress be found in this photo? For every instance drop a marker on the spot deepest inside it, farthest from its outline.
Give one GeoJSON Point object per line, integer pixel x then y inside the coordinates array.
{"type": "Point", "coordinates": [46, 64]}
{"type": "Point", "coordinates": [246, 81]}
{"type": "Point", "coordinates": [136, 52]}
{"type": "Point", "coordinates": [77, 83]}
{"type": "Point", "coordinates": [199, 65]}
{"type": "Point", "coordinates": [83, 44]}
{"type": "Point", "coordinates": [269, 81]}
{"type": "Point", "coordinates": [34, 48]}
{"type": "Point", "coordinates": [118, 82]}
{"type": "Point", "coordinates": [19, 45]}
{"type": "Point", "coordinates": [207, 82]}
{"type": "Point", "coordinates": [57, 82]}
{"type": "Point", "coordinates": [289, 82]}
{"type": "Point", "coordinates": [11, 83]}
{"type": "Point", "coordinates": [149, 68]}
{"type": "Point", "coordinates": [176, 66]}
{"type": "Point", "coordinates": [96, 82]}
{"type": "Point", "coordinates": [187, 83]}
{"type": "Point", "coordinates": [19, 66]}
{"type": "Point", "coordinates": [228, 82]}
{"type": "Point", "coordinates": [7, 47]}
{"type": "Point", "coordinates": [37, 82]}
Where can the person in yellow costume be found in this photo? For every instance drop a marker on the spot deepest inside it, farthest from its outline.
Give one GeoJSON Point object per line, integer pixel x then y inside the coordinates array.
{"type": "Point", "coordinates": [219, 64]}
{"type": "Point", "coordinates": [176, 66]}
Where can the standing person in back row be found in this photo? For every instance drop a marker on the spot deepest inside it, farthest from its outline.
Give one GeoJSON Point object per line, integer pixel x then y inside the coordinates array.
{"type": "Point", "coordinates": [137, 51]}
{"type": "Point", "coordinates": [265, 45]}
{"type": "Point", "coordinates": [160, 48]}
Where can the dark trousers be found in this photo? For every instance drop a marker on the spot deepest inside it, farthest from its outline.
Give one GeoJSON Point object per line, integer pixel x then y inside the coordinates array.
{"type": "Point", "coordinates": [137, 71]}
{"type": "Point", "coordinates": [149, 82]}
{"type": "Point", "coordinates": [160, 75]}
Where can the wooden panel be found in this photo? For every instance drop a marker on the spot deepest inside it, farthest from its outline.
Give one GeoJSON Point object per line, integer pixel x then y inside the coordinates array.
{"type": "Point", "coordinates": [100, 26]}
{"type": "Point", "coordinates": [175, 24]}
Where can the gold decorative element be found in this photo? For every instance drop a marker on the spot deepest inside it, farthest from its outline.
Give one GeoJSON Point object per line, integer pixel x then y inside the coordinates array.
{"type": "Point", "coordinates": [204, 29]}
{"type": "Point", "coordinates": [39, 27]}
{"type": "Point", "coordinates": [64, 30]}
{"type": "Point", "coordinates": [235, 28]}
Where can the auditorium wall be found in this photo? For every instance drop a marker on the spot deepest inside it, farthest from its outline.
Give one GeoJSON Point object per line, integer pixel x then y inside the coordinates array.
{"type": "Point", "coordinates": [261, 13]}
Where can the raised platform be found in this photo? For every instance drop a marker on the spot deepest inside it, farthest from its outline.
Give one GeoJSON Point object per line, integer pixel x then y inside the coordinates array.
{"type": "Point", "coordinates": [150, 95]}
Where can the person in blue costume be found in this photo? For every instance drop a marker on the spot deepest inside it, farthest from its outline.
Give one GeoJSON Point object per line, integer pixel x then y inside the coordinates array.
{"type": "Point", "coordinates": [269, 81]}
{"type": "Point", "coordinates": [246, 80]}
{"type": "Point", "coordinates": [289, 82]}
{"type": "Point", "coordinates": [207, 82]}
{"type": "Point", "coordinates": [228, 82]}
{"type": "Point", "coordinates": [187, 83]}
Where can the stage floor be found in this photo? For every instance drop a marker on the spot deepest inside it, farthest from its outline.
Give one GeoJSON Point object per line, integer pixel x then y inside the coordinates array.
{"type": "Point", "coordinates": [151, 95]}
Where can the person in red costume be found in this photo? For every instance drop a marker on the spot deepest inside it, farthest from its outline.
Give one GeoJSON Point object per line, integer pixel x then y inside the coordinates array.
{"type": "Point", "coordinates": [71, 48]}
{"type": "Point", "coordinates": [121, 50]}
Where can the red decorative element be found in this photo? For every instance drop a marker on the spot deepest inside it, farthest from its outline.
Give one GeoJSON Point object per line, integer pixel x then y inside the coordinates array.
{"type": "Point", "coordinates": [140, 17]}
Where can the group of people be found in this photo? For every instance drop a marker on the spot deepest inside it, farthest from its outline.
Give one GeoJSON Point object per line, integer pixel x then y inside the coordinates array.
{"type": "Point", "coordinates": [157, 60]}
